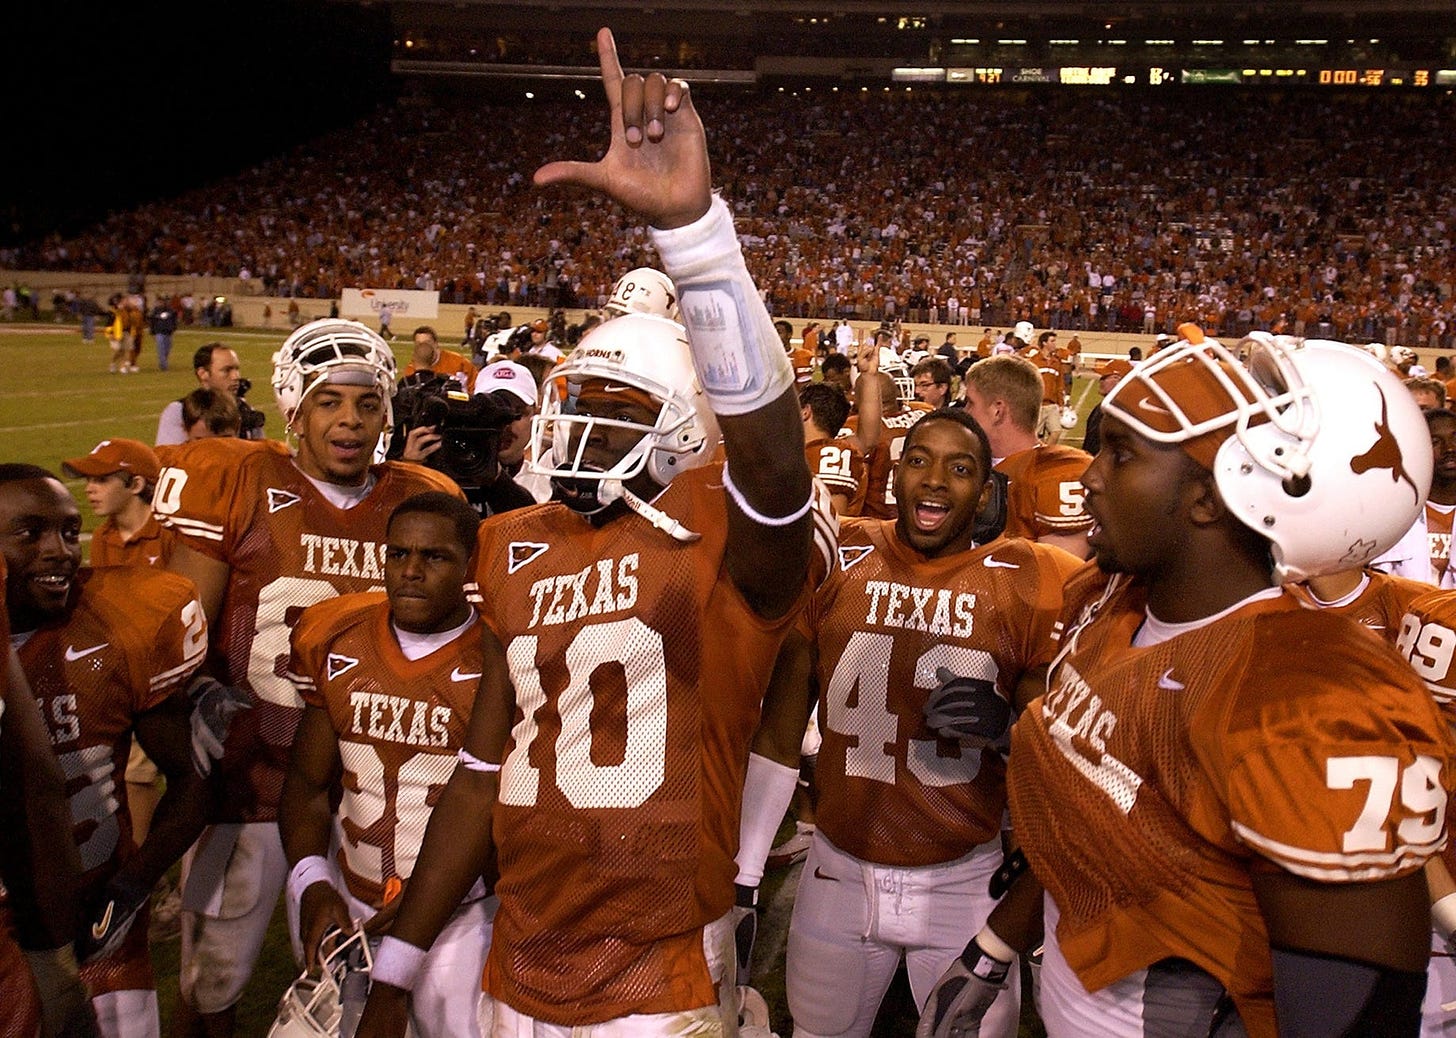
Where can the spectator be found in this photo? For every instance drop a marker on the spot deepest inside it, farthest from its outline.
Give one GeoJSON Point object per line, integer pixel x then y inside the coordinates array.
{"type": "Point", "coordinates": [216, 367]}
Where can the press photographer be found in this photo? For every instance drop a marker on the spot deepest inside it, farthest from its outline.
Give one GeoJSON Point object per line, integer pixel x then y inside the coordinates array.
{"type": "Point", "coordinates": [479, 441]}
{"type": "Point", "coordinates": [216, 368]}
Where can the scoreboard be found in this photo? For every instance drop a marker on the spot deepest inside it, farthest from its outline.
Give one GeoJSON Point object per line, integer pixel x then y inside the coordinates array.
{"type": "Point", "coordinates": [1109, 75]}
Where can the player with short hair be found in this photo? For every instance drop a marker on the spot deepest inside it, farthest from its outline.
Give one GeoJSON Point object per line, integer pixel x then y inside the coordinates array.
{"type": "Point", "coordinates": [264, 532]}
{"type": "Point", "coordinates": [630, 631]}
{"type": "Point", "coordinates": [107, 653]}
{"type": "Point", "coordinates": [920, 627]}
{"type": "Point", "coordinates": [389, 679]}
{"type": "Point", "coordinates": [1228, 797]}
{"type": "Point", "coordinates": [1003, 394]}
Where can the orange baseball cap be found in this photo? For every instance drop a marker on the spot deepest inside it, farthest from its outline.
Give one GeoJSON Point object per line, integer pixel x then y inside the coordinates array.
{"type": "Point", "coordinates": [112, 456]}
{"type": "Point", "coordinates": [1116, 368]}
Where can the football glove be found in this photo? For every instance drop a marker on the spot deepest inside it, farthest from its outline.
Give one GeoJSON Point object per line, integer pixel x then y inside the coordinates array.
{"type": "Point", "coordinates": [744, 916]}
{"type": "Point", "coordinates": [967, 709]}
{"type": "Point", "coordinates": [213, 707]}
{"type": "Point", "coordinates": [109, 918]}
{"type": "Point", "coordinates": [962, 995]}
{"type": "Point", "coordinates": [65, 1004]}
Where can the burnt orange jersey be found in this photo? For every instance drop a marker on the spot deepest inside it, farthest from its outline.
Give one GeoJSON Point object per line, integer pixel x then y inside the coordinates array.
{"type": "Point", "coordinates": [1438, 532]}
{"type": "Point", "coordinates": [879, 500]}
{"type": "Point", "coordinates": [840, 467]}
{"type": "Point", "coordinates": [1149, 782]}
{"type": "Point", "coordinates": [1426, 637]}
{"type": "Point", "coordinates": [246, 504]}
{"type": "Point", "coordinates": [639, 672]}
{"type": "Point", "coordinates": [1049, 367]}
{"type": "Point", "coordinates": [889, 627]}
{"type": "Point", "coordinates": [151, 546]}
{"type": "Point", "coordinates": [451, 365]}
{"type": "Point", "coordinates": [802, 361]}
{"type": "Point", "coordinates": [1045, 492]}
{"type": "Point", "coordinates": [1379, 603]}
{"type": "Point", "coordinates": [400, 723]}
{"type": "Point", "coordinates": [19, 999]}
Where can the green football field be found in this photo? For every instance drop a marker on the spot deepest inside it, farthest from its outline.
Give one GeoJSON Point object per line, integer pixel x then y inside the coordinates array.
{"type": "Point", "coordinates": [58, 400]}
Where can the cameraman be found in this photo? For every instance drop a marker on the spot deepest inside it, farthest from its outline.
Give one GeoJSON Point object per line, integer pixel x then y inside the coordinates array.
{"type": "Point", "coordinates": [478, 441]}
{"type": "Point", "coordinates": [216, 367]}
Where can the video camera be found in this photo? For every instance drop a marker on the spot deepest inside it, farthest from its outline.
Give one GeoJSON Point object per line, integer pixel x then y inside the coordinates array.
{"type": "Point", "coordinates": [469, 426]}
{"type": "Point", "coordinates": [251, 427]}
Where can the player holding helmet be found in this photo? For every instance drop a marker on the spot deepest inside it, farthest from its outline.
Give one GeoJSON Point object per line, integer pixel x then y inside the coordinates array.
{"type": "Point", "coordinates": [264, 533]}
{"type": "Point", "coordinates": [1228, 797]}
{"type": "Point", "coordinates": [630, 634]}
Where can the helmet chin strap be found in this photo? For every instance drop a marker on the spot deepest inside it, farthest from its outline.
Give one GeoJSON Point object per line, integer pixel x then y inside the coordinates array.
{"type": "Point", "coordinates": [611, 490]}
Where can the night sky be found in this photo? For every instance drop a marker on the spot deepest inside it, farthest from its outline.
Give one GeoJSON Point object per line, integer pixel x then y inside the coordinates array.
{"type": "Point", "coordinates": [109, 104]}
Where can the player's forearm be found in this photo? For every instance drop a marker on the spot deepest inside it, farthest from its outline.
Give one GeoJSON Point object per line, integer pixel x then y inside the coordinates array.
{"type": "Point", "coordinates": [181, 815]}
{"type": "Point", "coordinates": [454, 853]}
{"type": "Point", "coordinates": [304, 817]}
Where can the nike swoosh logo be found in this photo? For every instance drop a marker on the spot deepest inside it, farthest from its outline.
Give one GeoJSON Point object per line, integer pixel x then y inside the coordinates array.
{"type": "Point", "coordinates": [991, 562]}
{"type": "Point", "coordinates": [459, 675]}
{"type": "Point", "coordinates": [99, 928]}
{"type": "Point", "coordinates": [73, 654]}
{"type": "Point", "coordinates": [1167, 683]}
{"type": "Point", "coordinates": [1147, 404]}
{"type": "Point", "coordinates": [819, 874]}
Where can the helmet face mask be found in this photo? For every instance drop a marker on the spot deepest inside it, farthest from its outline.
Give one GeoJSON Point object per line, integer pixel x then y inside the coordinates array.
{"type": "Point", "coordinates": [332, 349]}
{"type": "Point", "coordinates": [1325, 453]}
{"type": "Point", "coordinates": [646, 359]}
{"type": "Point", "coordinates": [313, 1007]}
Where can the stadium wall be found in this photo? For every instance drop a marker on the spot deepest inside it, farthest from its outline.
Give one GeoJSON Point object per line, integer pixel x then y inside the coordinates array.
{"type": "Point", "coordinates": [248, 305]}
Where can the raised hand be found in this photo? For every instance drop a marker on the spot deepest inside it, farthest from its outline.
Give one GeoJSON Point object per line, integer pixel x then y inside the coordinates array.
{"type": "Point", "coordinates": [657, 163]}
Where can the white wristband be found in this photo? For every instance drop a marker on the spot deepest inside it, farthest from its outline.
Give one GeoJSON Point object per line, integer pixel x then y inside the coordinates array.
{"type": "Point", "coordinates": [737, 353]}
{"type": "Point", "coordinates": [757, 516]}
{"type": "Point", "coordinates": [398, 963]}
{"type": "Point", "coordinates": [310, 870]}
{"type": "Point", "coordinates": [1443, 915]}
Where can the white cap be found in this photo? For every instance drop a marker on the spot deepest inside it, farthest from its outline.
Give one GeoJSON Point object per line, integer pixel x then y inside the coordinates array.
{"type": "Point", "coordinates": [510, 376]}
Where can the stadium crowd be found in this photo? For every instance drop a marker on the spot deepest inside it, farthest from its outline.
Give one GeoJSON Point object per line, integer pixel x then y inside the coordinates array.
{"type": "Point", "coordinates": [1121, 211]}
{"type": "Point", "coordinates": [552, 756]}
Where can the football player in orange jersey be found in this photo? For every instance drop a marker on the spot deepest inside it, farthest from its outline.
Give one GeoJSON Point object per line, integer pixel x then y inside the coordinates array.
{"type": "Point", "coordinates": [264, 532]}
{"type": "Point", "coordinates": [40, 866]}
{"type": "Point", "coordinates": [107, 653]}
{"type": "Point", "coordinates": [919, 622]}
{"type": "Point", "coordinates": [1228, 797]}
{"type": "Point", "coordinates": [388, 680]}
{"type": "Point", "coordinates": [1044, 498]}
{"type": "Point", "coordinates": [630, 630]}
{"type": "Point", "coordinates": [836, 456]}
{"type": "Point", "coordinates": [898, 412]}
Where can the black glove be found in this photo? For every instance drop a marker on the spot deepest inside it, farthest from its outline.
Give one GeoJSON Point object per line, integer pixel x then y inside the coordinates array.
{"type": "Point", "coordinates": [213, 707]}
{"type": "Point", "coordinates": [745, 928]}
{"type": "Point", "coordinates": [961, 997]}
{"type": "Point", "coordinates": [968, 709]}
{"type": "Point", "coordinates": [109, 917]}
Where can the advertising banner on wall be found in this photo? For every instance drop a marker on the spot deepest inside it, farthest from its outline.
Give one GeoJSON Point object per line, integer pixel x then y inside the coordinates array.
{"type": "Point", "coordinates": [368, 302]}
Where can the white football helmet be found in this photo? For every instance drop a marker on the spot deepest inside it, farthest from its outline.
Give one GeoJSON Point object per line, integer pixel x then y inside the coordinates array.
{"type": "Point", "coordinates": [1402, 356]}
{"type": "Point", "coordinates": [892, 364]}
{"type": "Point", "coordinates": [332, 349]}
{"type": "Point", "coordinates": [1068, 418]}
{"type": "Point", "coordinates": [1329, 456]}
{"type": "Point", "coordinates": [643, 291]}
{"type": "Point", "coordinates": [646, 353]}
{"type": "Point", "coordinates": [1023, 331]}
{"type": "Point", "coordinates": [328, 1005]}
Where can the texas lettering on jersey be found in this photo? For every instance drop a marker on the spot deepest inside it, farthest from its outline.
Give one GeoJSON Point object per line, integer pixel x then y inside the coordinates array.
{"type": "Point", "coordinates": [287, 547]}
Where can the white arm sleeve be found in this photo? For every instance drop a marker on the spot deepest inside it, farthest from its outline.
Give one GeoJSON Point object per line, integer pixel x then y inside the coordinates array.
{"type": "Point", "coordinates": [767, 790]}
{"type": "Point", "coordinates": [739, 359]}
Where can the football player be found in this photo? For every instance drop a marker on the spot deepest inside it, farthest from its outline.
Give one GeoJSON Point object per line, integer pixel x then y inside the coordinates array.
{"type": "Point", "coordinates": [388, 679]}
{"type": "Point", "coordinates": [264, 532]}
{"type": "Point", "coordinates": [630, 631]}
{"type": "Point", "coordinates": [1044, 504]}
{"type": "Point", "coordinates": [835, 454]}
{"type": "Point", "coordinates": [919, 623]}
{"type": "Point", "coordinates": [1228, 797]}
{"type": "Point", "coordinates": [897, 413]}
{"type": "Point", "coordinates": [108, 653]}
{"type": "Point", "coordinates": [40, 866]}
